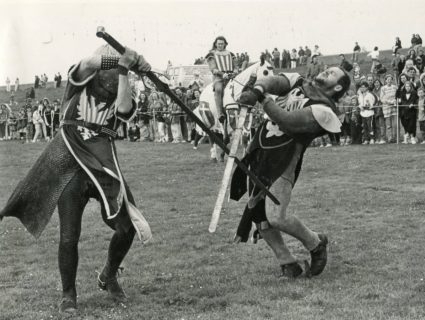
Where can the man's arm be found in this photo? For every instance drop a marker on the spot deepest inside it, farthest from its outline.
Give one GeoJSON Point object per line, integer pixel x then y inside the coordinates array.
{"type": "Point", "coordinates": [276, 85]}
{"type": "Point", "coordinates": [294, 122]}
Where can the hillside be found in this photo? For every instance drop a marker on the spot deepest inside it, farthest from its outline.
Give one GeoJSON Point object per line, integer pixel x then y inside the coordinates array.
{"type": "Point", "coordinates": [57, 93]}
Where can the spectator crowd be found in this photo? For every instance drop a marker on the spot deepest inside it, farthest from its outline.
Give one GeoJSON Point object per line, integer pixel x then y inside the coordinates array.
{"type": "Point", "coordinates": [379, 101]}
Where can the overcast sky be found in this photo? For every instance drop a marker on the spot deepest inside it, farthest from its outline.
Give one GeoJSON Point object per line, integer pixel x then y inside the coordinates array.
{"type": "Point", "coordinates": [46, 37]}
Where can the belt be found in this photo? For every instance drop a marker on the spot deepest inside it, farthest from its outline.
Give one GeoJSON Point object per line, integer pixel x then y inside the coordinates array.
{"type": "Point", "coordinates": [91, 126]}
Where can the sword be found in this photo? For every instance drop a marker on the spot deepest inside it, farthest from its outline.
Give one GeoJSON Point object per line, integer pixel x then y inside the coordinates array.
{"type": "Point", "coordinates": [101, 33]}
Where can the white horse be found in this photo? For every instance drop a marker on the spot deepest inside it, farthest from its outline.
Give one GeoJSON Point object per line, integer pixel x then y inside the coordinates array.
{"type": "Point", "coordinates": [207, 110]}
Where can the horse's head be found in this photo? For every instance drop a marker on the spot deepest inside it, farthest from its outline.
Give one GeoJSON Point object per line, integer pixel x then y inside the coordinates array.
{"type": "Point", "coordinates": [254, 72]}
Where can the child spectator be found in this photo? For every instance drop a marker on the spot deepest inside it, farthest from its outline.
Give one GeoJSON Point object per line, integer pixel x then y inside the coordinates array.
{"type": "Point", "coordinates": [355, 122]}
{"type": "Point", "coordinates": [408, 112]}
{"type": "Point", "coordinates": [388, 99]}
{"type": "Point", "coordinates": [366, 103]}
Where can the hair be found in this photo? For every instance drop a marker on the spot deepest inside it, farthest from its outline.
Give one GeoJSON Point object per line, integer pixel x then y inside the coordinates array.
{"type": "Point", "coordinates": [345, 82]}
{"type": "Point", "coordinates": [214, 46]}
{"type": "Point", "coordinates": [364, 84]}
{"type": "Point", "coordinates": [376, 48]}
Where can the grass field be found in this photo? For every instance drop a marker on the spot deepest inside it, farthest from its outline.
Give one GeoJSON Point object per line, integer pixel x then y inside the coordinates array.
{"type": "Point", "coordinates": [370, 201]}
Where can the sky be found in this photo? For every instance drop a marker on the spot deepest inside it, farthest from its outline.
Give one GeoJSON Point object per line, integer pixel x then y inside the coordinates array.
{"type": "Point", "coordinates": [49, 36]}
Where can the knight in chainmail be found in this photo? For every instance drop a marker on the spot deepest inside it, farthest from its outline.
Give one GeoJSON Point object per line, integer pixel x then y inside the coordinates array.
{"type": "Point", "coordinates": [81, 163]}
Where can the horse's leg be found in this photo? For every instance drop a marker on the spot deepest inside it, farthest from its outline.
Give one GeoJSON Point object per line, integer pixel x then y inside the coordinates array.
{"type": "Point", "coordinates": [118, 248]}
{"type": "Point", "coordinates": [71, 206]}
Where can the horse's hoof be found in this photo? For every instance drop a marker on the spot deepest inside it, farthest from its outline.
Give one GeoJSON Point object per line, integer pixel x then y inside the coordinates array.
{"type": "Point", "coordinates": [214, 160]}
{"type": "Point", "coordinates": [113, 287]}
{"type": "Point", "coordinates": [68, 305]}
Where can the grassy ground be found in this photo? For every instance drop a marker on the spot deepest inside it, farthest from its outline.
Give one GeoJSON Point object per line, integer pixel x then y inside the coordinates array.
{"type": "Point", "coordinates": [368, 199]}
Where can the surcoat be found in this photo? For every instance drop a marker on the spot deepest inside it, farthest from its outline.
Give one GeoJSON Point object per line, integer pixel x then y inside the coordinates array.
{"type": "Point", "coordinates": [76, 147]}
{"type": "Point", "coordinates": [273, 153]}
{"type": "Point", "coordinates": [223, 60]}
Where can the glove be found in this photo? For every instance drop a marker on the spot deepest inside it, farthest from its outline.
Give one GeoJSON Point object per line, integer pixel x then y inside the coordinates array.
{"type": "Point", "coordinates": [251, 97]}
{"type": "Point", "coordinates": [225, 76]}
{"type": "Point", "coordinates": [142, 64]}
{"type": "Point", "coordinates": [128, 59]}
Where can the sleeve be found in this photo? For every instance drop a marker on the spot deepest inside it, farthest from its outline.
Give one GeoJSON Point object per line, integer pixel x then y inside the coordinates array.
{"type": "Point", "coordinates": [278, 85]}
{"type": "Point", "coordinates": [303, 121]}
{"type": "Point", "coordinates": [326, 118]}
{"type": "Point", "coordinates": [73, 86]}
{"type": "Point", "coordinates": [209, 55]}
{"type": "Point", "coordinates": [127, 117]}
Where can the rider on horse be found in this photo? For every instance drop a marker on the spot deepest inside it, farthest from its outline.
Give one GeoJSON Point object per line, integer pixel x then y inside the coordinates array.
{"type": "Point", "coordinates": [222, 66]}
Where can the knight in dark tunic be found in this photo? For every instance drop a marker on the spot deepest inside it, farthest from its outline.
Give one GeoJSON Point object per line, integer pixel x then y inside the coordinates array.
{"type": "Point", "coordinates": [81, 163]}
{"type": "Point", "coordinates": [302, 111]}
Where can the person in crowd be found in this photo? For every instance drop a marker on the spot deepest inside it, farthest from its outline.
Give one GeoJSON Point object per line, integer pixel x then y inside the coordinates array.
{"type": "Point", "coordinates": [36, 82]}
{"type": "Point", "coordinates": [192, 103]}
{"type": "Point", "coordinates": [143, 117]}
{"type": "Point", "coordinates": [294, 58]}
{"type": "Point", "coordinates": [345, 64]}
{"type": "Point", "coordinates": [316, 51]}
{"type": "Point", "coordinates": [155, 108]}
{"type": "Point", "coordinates": [355, 121]}
{"type": "Point", "coordinates": [413, 41]}
{"type": "Point", "coordinates": [418, 43]}
{"type": "Point", "coordinates": [397, 45]}
{"type": "Point", "coordinates": [379, 127]}
{"type": "Point", "coordinates": [411, 55]}
{"type": "Point", "coordinates": [395, 64]}
{"type": "Point", "coordinates": [221, 63]}
{"type": "Point", "coordinates": [285, 60]}
{"type": "Point", "coordinates": [7, 84]}
{"type": "Point", "coordinates": [301, 56]}
{"type": "Point", "coordinates": [412, 75]}
{"type": "Point", "coordinates": [133, 132]}
{"type": "Point", "coordinates": [388, 100]}
{"type": "Point", "coordinates": [29, 130]}
{"type": "Point", "coordinates": [370, 79]}
{"type": "Point", "coordinates": [314, 68]}
{"type": "Point", "coordinates": [4, 117]}
{"type": "Point", "coordinates": [421, 55]}
{"type": "Point", "coordinates": [16, 85]}
{"type": "Point", "coordinates": [178, 115]}
{"type": "Point", "coordinates": [356, 52]}
{"type": "Point", "coordinates": [22, 122]}
{"type": "Point", "coordinates": [366, 103]}
{"type": "Point", "coordinates": [49, 118]}
{"type": "Point", "coordinates": [409, 64]}
{"type": "Point", "coordinates": [422, 81]}
{"type": "Point", "coordinates": [345, 109]}
{"type": "Point", "coordinates": [163, 124]}
{"type": "Point", "coordinates": [357, 76]}
{"type": "Point", "coordinates": [420, 64]}
{"type": "Point", "coordinates": [307, 54]}
{"type": "Point", "coordinates": [39, 125]}
{"type": "Point", "coordinates": [175, 115]}
{"type": "Point", "coordinates": [276, 58]}
{"type": "Point", "coordinates": [374, 55]}
{"type": "Point", "coordinates": [401, 65]}
{"type": "Point", "coordinates": [12, 126]}
{"type": "Point", "coordinates": [409, 112]}
{"type": "Point", "coordinates": [421, 112]}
